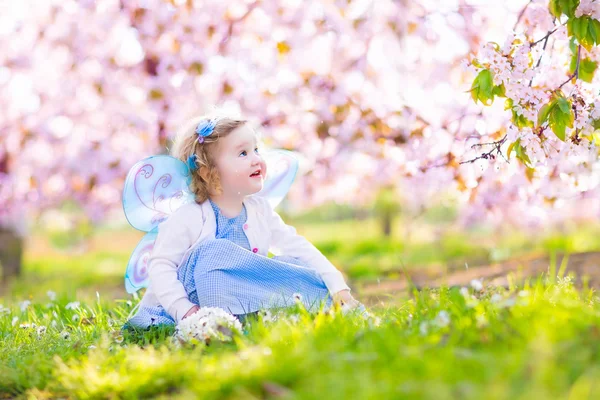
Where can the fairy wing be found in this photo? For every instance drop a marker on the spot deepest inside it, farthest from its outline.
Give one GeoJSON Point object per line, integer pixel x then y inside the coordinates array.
{"type": "Point", "coordinates": [154, 188]}
{"type": "Point", "coordinates": [282, 167]}
{"type": "Point", "coordinates": [136, 275]}
{"type": "Point", "coordinates": [157, 186]}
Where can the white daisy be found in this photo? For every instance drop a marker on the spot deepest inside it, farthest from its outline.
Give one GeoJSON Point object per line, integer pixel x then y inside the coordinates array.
{"type": "Point", "coordinates": [477, 285]}
{"type": "Point", "coordinates": [206, 324]}
{"type": "Point", "coordinates": [24, 305]}
{"type": "Point", "coordinates": [442, 319]}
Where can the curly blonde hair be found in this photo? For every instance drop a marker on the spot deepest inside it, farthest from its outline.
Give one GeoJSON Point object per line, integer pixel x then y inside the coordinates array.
{"type": "Point", "coordinates": [205, 180]}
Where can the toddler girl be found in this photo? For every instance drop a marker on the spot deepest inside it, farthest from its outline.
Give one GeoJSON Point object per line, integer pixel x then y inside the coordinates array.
{"type": "Point", "coordinates": [213, 252]}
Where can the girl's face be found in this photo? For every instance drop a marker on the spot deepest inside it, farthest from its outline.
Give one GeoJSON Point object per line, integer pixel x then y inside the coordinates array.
{"type": "Point", "coordinates": [241, 167]}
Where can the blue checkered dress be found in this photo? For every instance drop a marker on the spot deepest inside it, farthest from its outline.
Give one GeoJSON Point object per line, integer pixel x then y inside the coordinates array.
{"type": "Point", "coordinates": [224, 272]}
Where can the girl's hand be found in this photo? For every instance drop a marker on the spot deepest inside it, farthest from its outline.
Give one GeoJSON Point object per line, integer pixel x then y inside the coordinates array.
{"type": "Point", "coordinates": [190, 312]}
{"type": "Point", "coordinates": [343, 297]}
{"type": "Point", "coordinates": [347, 302]}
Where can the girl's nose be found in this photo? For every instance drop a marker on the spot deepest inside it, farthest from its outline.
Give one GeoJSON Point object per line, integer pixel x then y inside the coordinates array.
{"type": "Point", "coordinates": [256, 158]}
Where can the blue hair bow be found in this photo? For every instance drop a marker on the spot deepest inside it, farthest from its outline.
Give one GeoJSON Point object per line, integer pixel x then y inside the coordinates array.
{"type": "Point", "coordinates": [205, 128]}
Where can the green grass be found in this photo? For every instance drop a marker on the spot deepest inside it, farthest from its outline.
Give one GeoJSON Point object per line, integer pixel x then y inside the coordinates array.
{"type": "Point", "coordinates": [362, 258]}
{"type": "Point", "coordinates": [361, 252]}
{"type": "Point", "coordinates": [536, 342]}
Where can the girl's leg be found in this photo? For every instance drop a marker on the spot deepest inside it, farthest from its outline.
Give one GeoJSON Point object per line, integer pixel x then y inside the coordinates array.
{"type": "Point", "coordinates": [228, 276]}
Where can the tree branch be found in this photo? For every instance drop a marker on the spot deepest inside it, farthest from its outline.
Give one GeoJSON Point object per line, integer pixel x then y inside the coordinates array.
{"type": "Point", "coordinates": [545, 38]}
{"type": "Point", "coordinates": [576, 73]}
{"type": "Point", "coordinates": [521, 14]}
{"type": "Point", "coordinates": [490, 154]}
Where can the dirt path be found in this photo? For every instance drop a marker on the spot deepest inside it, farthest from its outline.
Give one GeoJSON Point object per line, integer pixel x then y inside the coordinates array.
{"type": "Point", "coordinates": [582, 264]}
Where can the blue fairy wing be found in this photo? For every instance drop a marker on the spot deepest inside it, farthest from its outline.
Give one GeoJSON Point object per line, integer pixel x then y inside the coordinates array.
{"type": "Point", "coordinates": [282, 167]}
{"type": "Point", "coordinates": [154, 188]}
{"type": "Point", "coordinates": [136, 275]}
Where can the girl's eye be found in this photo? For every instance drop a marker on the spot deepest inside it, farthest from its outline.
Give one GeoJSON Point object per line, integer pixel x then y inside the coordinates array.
{"type": "Point", "coordinates": [244, 152]}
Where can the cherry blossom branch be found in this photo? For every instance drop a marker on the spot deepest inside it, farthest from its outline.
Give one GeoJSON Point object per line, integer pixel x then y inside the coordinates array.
{"type": "Point", "coordinates": [450, 158]}
{"type": "Point", "coordinates": [233, 22]}
{"type": "Point", "coordinates": [545, 38]}
{"type": "Point", "coordinates": [576, 73]}
{"type": "Point", "coordinates": [521, 14]}
{"type": "Point", "coordinates": [490, 154]}
{"type": "Point", "coordinates": [576, 139]}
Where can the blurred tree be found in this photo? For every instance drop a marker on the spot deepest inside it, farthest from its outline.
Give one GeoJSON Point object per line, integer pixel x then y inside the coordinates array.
{"type": "Point", "coordinates": [370, 92]}
{"type": "Point", "coordinates": [387, 206]}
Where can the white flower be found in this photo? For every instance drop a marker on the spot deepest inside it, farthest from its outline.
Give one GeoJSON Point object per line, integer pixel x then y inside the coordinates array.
{"type": "Point", "coordinates": [72, 305]}
{"type": "Point", "coordinates": [481, 320]}
{"type": "Point", "coordinates": [75, 318]}
{"type": "Point", "coordinates": [119, 339]}
{"type": "Point", "coordinates": [14, 321]}
{"type": "Point", "coordinates": [91, 346]}
{"type": "Point", "coordinates": [65, 335]}
{"type": "Point", "coordinates": [464, 291]}
{"type": "Point", "coordinates": [268, 316]}
{"type": "Point", "coordinates": [24, 305]}
{"type": "Point", "coordinates": [375, 321]}
{"type": "Point", "coordinates": [496, 298]}
{"type": "Point", "coordinates": [510, 302]}
{"type": "Point", "coordinates": [423, 328]}
{"type": "Point", "coordinates": [477, 285]}
{"type": "Point", "coordinates": [51, 295]}
{"type": "Point", "coordinates": [442, 319]}
{"type": "Point", "coordinates": [41, 330]}
{"type": "Point", "coordinates": [4, 310]}
{"type": "Point", "coordinates": [25, 326]}
{"type": "Point", "coordinates": [372, 320]}
{"type": "Point", "coordinates": [206, 324]}
{"type": "Point", "coordinates": [294, 318]}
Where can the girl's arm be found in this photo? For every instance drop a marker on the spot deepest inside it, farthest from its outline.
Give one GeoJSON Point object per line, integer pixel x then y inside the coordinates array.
{"type": "Point", "coordinates": [286, 241]}
{"type": "Point", "coordinates": [175, 236]}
